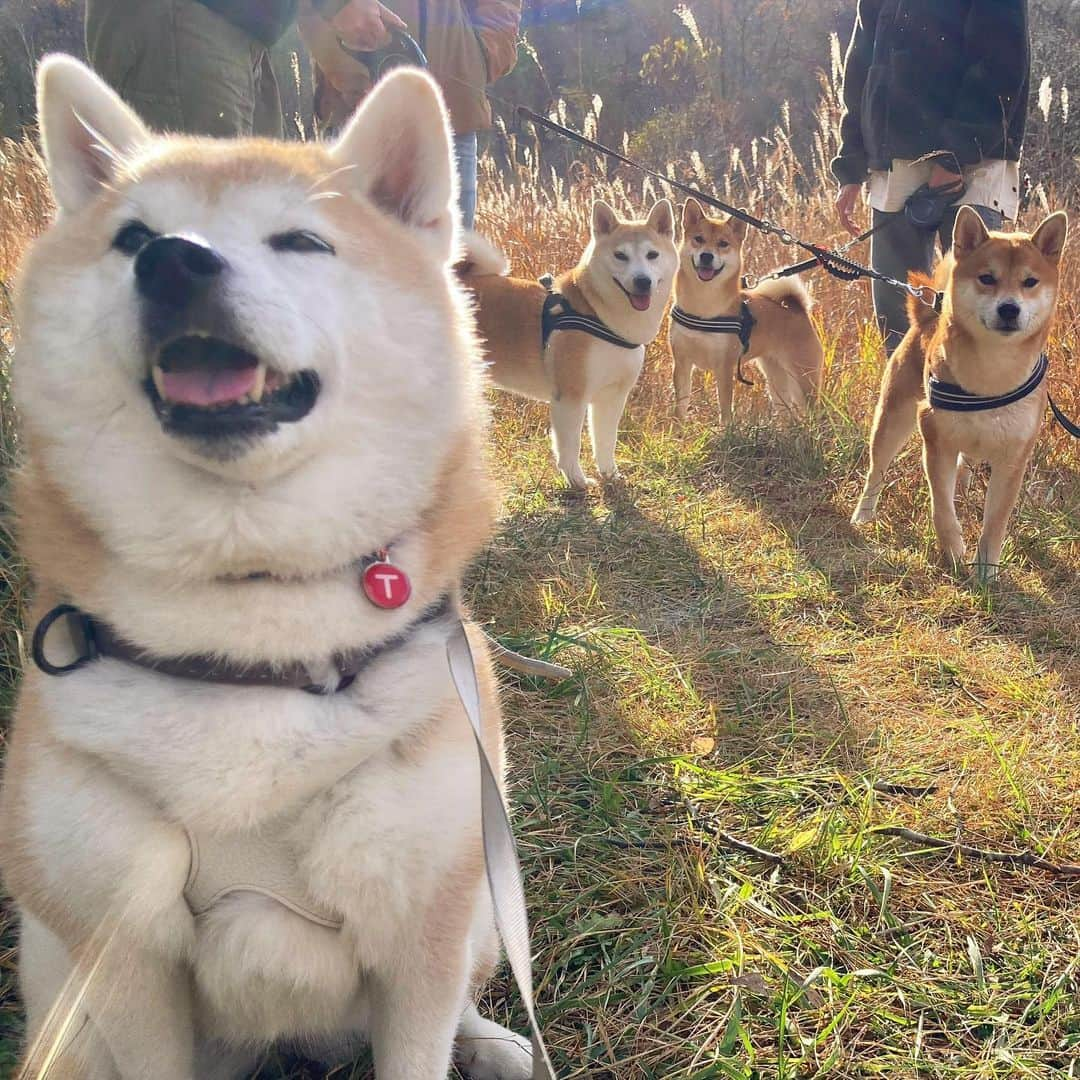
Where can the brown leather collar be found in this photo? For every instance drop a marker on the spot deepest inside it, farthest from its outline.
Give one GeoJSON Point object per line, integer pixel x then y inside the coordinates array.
{"type": "Point", "coordinates": [95, 639]}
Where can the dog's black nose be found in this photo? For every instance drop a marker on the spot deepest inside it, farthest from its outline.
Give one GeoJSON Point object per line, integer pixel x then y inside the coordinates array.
{"type": "Point", "coordinates": [642, 283]}
{"type": "Point", "coordinates": [705, 258]}
{"type": "Point", "coordinates": [1008, 312]}
{"type": "Point", "coordinates": [174, 270]}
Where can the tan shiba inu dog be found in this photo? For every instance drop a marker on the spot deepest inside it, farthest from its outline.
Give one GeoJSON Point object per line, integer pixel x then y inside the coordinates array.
{"type": "Point", "coordinates": [234, 388]}
{"type": "Point", "coordinates": [623, 280]}
{"type": "Point", "coordinates": [781, 339]}
{"type": "Point", "coordinates": [1000, 292]}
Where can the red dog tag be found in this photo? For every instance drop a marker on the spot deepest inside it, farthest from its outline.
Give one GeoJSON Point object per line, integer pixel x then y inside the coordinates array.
{"type": "Point", "coordinates": [386, 585]}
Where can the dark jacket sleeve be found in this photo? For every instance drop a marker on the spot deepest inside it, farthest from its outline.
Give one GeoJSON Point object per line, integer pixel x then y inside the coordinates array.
{"type": "Point", "coordinates": [992, 96]}
{"type": "Point", "coordinates": [849, 166]}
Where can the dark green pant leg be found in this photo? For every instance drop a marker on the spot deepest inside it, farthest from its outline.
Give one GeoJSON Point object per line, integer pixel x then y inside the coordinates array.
{"type": "Point", "coordinates": [899, 248]}
{"type": "Point", "coordinates": [179, 64]}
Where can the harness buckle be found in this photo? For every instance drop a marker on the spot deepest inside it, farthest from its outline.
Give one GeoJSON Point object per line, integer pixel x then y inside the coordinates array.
{"type": "Point", "coordinates": [81, 628]}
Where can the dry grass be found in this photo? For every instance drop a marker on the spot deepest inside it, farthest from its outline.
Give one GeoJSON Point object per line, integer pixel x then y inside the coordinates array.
{"type": "Point", "coordinates": [747, 664]}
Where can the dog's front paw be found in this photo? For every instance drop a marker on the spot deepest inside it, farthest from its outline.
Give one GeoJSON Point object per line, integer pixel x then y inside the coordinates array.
{"type": "Point", "coordinates": [578, 482]}
{"type": "Point", "coordinates": [496, 1055]}
{"type": "Point", "coordinates": [864, 513]}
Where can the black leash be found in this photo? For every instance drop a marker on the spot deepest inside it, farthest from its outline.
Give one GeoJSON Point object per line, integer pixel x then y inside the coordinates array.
{"type": "Point", "coordinates": [924, 208]}
{"type": "Point", "coordinates": [835, 262]}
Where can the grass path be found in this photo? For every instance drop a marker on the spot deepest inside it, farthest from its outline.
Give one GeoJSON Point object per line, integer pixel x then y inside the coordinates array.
{"type": "Point", "coordinates": [749, 665]}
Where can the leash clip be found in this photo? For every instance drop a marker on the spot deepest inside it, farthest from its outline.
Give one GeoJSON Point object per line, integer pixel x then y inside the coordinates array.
{"type": "Point", "coordinates": [82, 634]}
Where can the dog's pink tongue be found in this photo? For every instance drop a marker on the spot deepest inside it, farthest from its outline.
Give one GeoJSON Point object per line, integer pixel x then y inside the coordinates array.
{"type": "Point", "coordinates": [641, 301]}
{"type": "Point", "coordinates": [706, 273]}
{"type": "Point", "coordinates": [207, 386]}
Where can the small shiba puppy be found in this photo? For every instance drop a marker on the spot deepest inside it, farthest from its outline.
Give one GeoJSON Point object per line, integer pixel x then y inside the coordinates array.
{"type": "Point", "coordinates": [236, 395]}
{"type": "Point", "coordinates": [781, 342]}
{"type": "Point", "coordinates": [1000, 291]}
{"type": "Point", "coordinates": [622, 282]}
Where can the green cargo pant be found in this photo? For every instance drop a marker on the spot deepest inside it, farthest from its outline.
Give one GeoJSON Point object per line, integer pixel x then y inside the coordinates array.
{"type": "Point", "coordinates": [183, 67]}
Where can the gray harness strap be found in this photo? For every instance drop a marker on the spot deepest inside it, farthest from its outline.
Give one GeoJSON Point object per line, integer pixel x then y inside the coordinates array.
{"type": "Point", "coordinates": [500, 852]}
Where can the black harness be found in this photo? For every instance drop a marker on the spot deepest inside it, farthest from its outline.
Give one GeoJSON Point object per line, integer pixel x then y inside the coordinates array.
{"type": "Point", "coordinates": [559, 314]}
{"type": "Point", "coordinates": [741, 324]}
{"type": "Point", "coordinates": [954, 398]}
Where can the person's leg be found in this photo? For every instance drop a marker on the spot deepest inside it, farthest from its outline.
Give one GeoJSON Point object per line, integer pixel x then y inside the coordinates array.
{"type": "Point", "coordinates": [181, 66]}
{"type": "Point", "coordinates": [895, 250]}
{"type": "Point", "coordinates": [465, 152]}
{"type": "Point", "coordinates": [993, 219]}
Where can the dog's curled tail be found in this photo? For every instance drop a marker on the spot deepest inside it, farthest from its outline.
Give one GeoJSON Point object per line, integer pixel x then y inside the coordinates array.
{"type": "Point", "coordinates": [481, 258]}
{"type": "Point", "coordinates": [919, 312]}
{"type": "Point", "coordinates": [789, 291]}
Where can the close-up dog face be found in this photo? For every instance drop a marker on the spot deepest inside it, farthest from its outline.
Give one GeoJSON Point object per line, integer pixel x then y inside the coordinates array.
{"type": "Point", "coordinates": [1006, 284]}
{"type": "Point", "coordinates": [639, 256]}
{"type": "Point", "coordinates": [711, 247]}
{"type": "Point", "coordinates": [257, 311]}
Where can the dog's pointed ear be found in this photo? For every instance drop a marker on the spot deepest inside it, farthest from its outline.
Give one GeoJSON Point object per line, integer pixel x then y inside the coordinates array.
{"type": "Point", "coordinates": [1050, 236]}
{"type": "Point", "coordinates": [397, 150]}
{"type": "Point", "coordinates": [604, 219]}
{"type": "Point", "coordinates": [737, 227]}
{"type": "Point", "coordinates": [662, 218]}
{"type": "Point", "coordinates": [692, 214]}
{"type": "Point", "coordinates": [969, 232]}
{"type": "Point", "coordinates": [86, 130]}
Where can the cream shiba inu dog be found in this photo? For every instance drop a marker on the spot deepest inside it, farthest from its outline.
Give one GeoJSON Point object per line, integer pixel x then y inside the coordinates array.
{"type": "Point", "coordinates": [714, 321]}
{"type": "Point", "coordinates": [581, 344]}
{"type": "Point", "coordinates": [235, 389]}
{"type": "Point", "coordinates": [973, 377]}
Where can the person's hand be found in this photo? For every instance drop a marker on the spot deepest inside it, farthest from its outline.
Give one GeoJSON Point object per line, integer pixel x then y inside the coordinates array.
{"type": "Point", "coordinates": [365, 24]}
{"type": "Point", "coordinates": [944, 177]}
{"type": "Point", "coordinates": [846, 199]}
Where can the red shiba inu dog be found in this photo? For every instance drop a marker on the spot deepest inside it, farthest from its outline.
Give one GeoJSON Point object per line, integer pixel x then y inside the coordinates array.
{"type": "Point", "coordinates": [714, 321]}
{"type": "Point", "coordinates": [972, 377]}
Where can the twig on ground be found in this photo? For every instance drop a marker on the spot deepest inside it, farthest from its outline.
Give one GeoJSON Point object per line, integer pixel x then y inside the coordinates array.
{"type": "Point", "coordinates": [1007, 858]}
{"type": "Point", "coordinates": [915, 791]}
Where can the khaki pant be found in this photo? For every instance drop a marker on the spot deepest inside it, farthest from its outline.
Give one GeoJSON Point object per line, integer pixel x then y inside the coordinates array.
{"type": "Point", "coordinates": [183, 67]}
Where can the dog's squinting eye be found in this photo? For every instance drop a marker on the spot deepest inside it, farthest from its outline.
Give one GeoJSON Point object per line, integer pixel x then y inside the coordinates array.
{"type": "Point", "coordinates": [987, 279]}
{"type": "Point", "coordinates": [622, 256]}
{"type": "Point", "coordinates": [1030, 283]}
{"type": "Point", "coordinates": [652, 255]}
{"type": "Point", "coordinates": [302, 242]}
{"type": "Point", "coordinates": [699, 239]}
{"type": "Point", "coordinates": [722, 243]}
{"type": "Point", "coordinates": [132, 238]}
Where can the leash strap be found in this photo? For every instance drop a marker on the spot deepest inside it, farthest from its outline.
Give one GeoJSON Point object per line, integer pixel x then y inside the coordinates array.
{"type": "Point", "coordinates": [742, 324]}
{"type": "Point", "coordinates": [1072, 428]}
{"type": "Point", "coordinates": [832, 260]}
{"type": "Point", "coordinates": [559, 314]}
{"type": "Point", "coordinates": [500, 852]}
{"type": "Point", "coordinates": [954, 398]}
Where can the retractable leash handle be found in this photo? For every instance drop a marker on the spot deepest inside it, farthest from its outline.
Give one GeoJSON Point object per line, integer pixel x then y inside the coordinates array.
{"type": "Point", "coordinates": [926, 207]}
